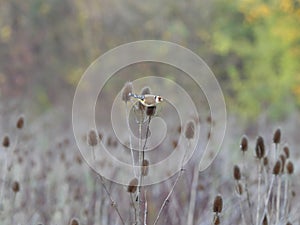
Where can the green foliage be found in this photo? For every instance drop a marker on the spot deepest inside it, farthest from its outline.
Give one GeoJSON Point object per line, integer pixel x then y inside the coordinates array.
{"type": "Point", "coordinates": [251, 45]}
{"type": "Point", "coordinates": [258, 42]}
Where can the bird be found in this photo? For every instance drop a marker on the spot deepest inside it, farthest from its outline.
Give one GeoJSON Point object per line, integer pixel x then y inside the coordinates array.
{"type": "Point", "coordinates": [148, 100]}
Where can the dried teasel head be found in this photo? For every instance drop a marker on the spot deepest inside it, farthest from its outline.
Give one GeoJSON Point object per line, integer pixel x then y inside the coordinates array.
{"type": "Point", "coordinates": [277, 136]}
{"type": "Point", "coordinates": [239, 188]}
{"type": "Point", "coordinates": [244, 143]}
{"type": "Point", "coordinates": [218, 204]}
{"type": "Point", "coordinates": [236, 172]}
{"type": "Point", "coordinates": [145, 167]}
{"type": "Point", "coordinates": [74, 221]}
{"type": "Point", "coordinates": [16, 186]}
{"type": "Point", "coordinates": [277, 167]}
{"type": "Point", "coordinates": [260, 148]}
{"type": "Point", "coordinates": [132, 187]}
{"type": "Point", "coordinates": [283, 159]}
{"type": "Point", "coordinates": [266, 161]}
{"type": "Point", "coordinates": [290, 167]}
{"type": "Point", "coordinates": [265, 220]}
{"type": "Point", "coordinates": [146, 91]}
{"type": "Point", "coordinates": [150, 111]}
{"type": "Point", "coordinates": [92, 138]}
{"type": "Point", "coordinates": [190, 130]}
{"type": "Point", "coordinates": [6, 142]}
{"type": "Point", "coordinates": [127, 90]}
{"type": "Point", "coordinates": [286, 151]}
{"type": "Point", "coordinates": [20, 122]}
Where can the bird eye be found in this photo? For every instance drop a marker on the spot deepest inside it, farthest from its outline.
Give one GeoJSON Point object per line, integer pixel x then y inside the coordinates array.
{"type": "Point", "coordinates": [159, 99]}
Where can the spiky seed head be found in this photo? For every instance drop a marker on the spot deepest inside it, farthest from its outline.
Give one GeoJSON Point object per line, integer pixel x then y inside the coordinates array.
{"type": "Point", "coordinates": [150, 111]}
{"type": "Point", "coordinates": [236, 172]}
{"type": "Point", "coordinates": [127, 90]}
{"type": "Point", "coordinates": [190, 130]}
{"type": "Point", "coordinates": [6, 142]}
{"type": "Point", "coordinates": [218, 204]}
{"type": "Point", "coordinates": [286, 151]}
{"type": "Point", "coordinates": [260, 148]}
{"type": "Point", "coordinates": [277, 167]}
{"type": "Point", "coordinates": [208, 119]}
{"type": "Point", "coordinates": [265, 220]}
{"type": "Point", "coordinates": [244, 143]}
{"type": "Point", "coordinates": [20, 122]}
{"type": "Point", "coordinates": [277, 136]}
{"type": "Point", "coordinates": [145, 167]}
{"type": "Point", "coordinates": [290, 167]}
{"type": "Point", "coordinates": [266, 161]}
{"type": "Point", "coordinates": [283, 159]}
{"type": "Point", "coordinates": [92, 138]}
{"type": "Point", "coordinates": [146, 91]}
{"type": "Point", "coordinates": [288, 223]}
{"type": "Point", "coordinates": [74, 221]}
{"type": "Point", "coordinates": [16, 186]}
{"type": "Point", "coordinates": [132, 187]}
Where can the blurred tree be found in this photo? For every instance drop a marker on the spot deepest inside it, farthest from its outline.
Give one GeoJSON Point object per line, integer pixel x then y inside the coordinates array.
{"type": "Point", "coordinates": [259, 41]}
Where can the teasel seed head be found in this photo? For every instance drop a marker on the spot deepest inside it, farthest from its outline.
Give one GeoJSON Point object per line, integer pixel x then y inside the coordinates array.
{"type": "Point", "coordinates": [218, 204]}
{"type": "Point", "coordinates": [277, 136]}
{"type": "Point", "coordinates": [150, 111]}
{"type": "Point", "coordinates": [266, 161]}
{"type": "Point", "coordinates": [74, 221]}
{"type": "Point", "coordinates": [290, 167]}
{"type": "Point", "coordinates": [20, 122]}
{"type": "Point", "coordinates": [208, 119]}
{"type": "Point", "coordinates": [127, 89]}
{"type": "Point", "coordinates": [283, 159]}
{"type": "Point", "coordinates": [260, 148]}
{"type": "Point", "coordinates": [190, 130]}
{"type": "Point", "coordinates": [145, 91]}
{"type": "Point", "coordinates": [288, 223]}
{"type": "Point", "coordinates": [6, 142]}
{"type": "Point", "coordinates": [286, 151]}
{"type": "Point", "coordinates": [277, 167]}
{"type": "Point", "coordinates": [132, 187]}
{"type": "Point", "coordinates": [236, 172]}
{"type": "Point", "coordinates": [16, 186]}
{"type": "Point", "coordinates": [92, 138]}
{"type": "Point", "coordinates": [145, 167]}
{"type": "Point", "coordinates": [244, 143]}
{"type": "Point", "coordinates": [265, 220]}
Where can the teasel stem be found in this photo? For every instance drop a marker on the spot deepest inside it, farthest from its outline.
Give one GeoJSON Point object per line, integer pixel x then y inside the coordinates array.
{"type": "Point", "coordinates": [113, 203]}
{"type": "Point", "coordinates": [146, 209]}
{"type": "Point", "coordinates": [246, 187]}
{"type": "Point", "coordinates": [166, 201]}
{"type": "Point", "coordinates": [147, 133]}
{"type": "Point", "coordinates": [258, 192]}
{"type": "Point", "coordinates": [278, 199]}
{"type": "Point", "coordinates": [193, 196]}
{"type": "Point", "coordinates": [138, 198]}
{"type": "Point", "coordinates": [130, 141]}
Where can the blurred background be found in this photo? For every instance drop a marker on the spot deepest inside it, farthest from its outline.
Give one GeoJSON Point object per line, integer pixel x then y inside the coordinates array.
{"type": "Point", "coordinates": [252, 46]}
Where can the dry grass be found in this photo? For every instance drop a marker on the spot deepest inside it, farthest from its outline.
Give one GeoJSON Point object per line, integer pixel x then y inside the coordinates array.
{"type": "Point", "coordinates": [46, 181]}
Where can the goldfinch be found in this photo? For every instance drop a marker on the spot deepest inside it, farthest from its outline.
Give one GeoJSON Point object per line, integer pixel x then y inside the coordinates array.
{"type": "Point", "coordinates": [148, 100]}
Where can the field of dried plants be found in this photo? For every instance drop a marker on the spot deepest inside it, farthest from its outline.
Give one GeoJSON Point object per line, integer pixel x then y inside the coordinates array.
{"type": "Point", "coordinates": [45, 179]}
